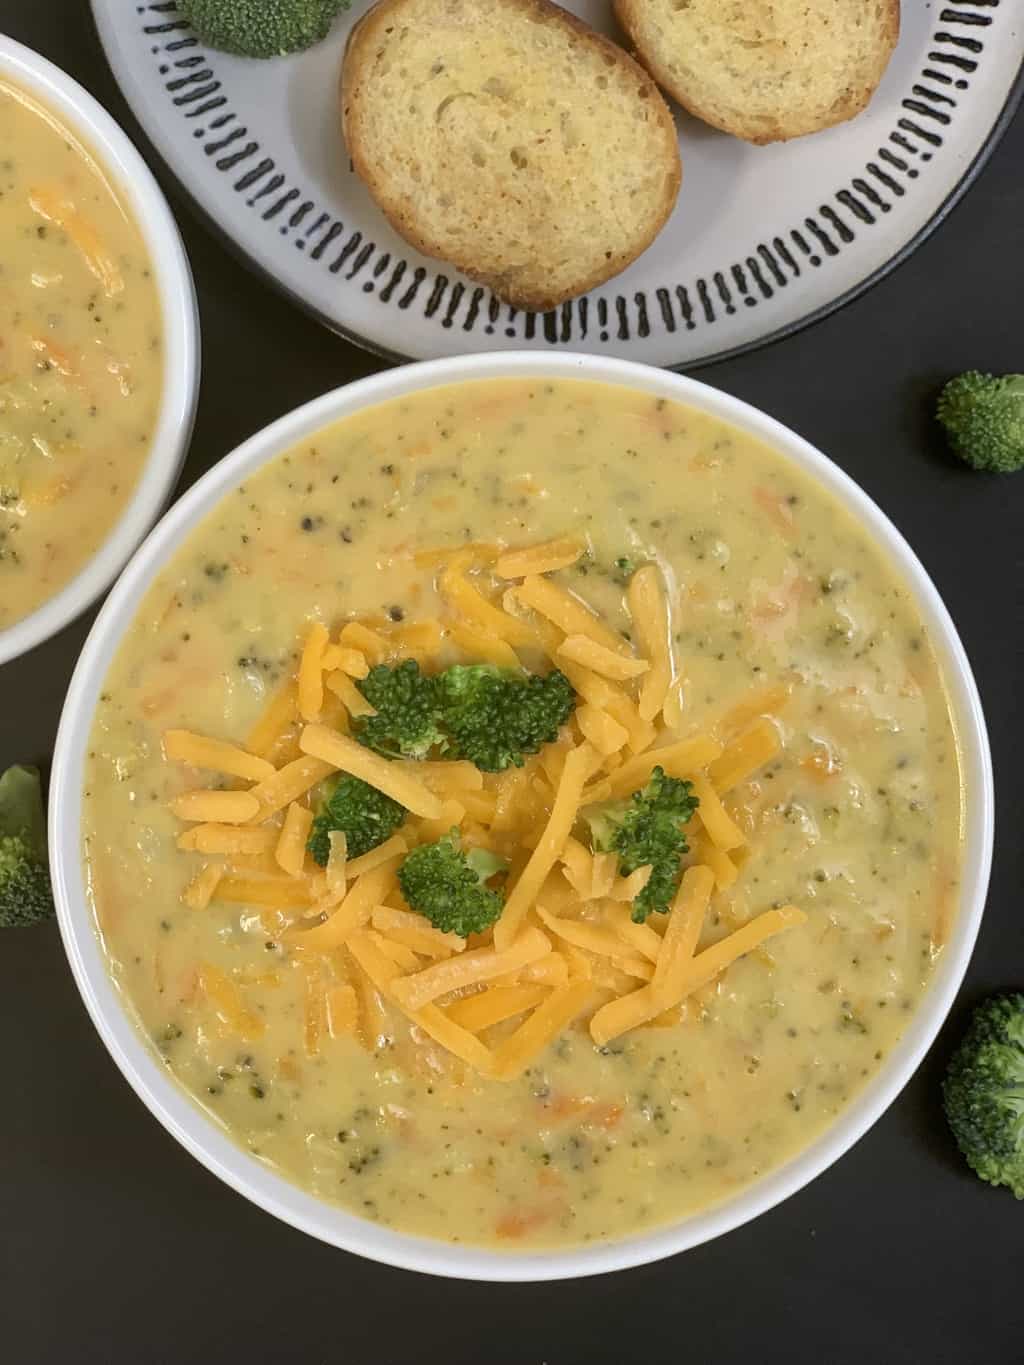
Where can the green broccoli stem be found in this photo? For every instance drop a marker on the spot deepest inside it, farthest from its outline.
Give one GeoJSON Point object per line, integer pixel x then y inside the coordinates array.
{"type": "Point", "coordinates": [25, 893]}
{"type": "Point", "coordinates": [21, 808]}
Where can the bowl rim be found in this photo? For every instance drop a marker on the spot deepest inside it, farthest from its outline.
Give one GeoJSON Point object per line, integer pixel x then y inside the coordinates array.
{"type": "Point", "coordinates": [200, 1134]}
{"type": "Point", "coordinates": [130, 176]}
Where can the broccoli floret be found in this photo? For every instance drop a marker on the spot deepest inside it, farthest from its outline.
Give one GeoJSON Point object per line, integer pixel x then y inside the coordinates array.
{"type": "Point", "coordinates": [25, 894]}
{"type": "Point", "coordinates": [364, 815]}
{"type": "Point", "coordinates": [450, 888]}
{"type": "Point", "coordinates": [647, 831]}
{"type": "Point", "coordinates": [261, 28]}
{"type": "Point", "coordinates": [495, 716]}
{"type": "Point", "coordinates": [407, 703]}
{"type": "Point", "coordinates": [983, 415]}
{"type": "Point", "coordinates": [491, 716]}
{"type": "Point", "coordinates": [984, 1092]}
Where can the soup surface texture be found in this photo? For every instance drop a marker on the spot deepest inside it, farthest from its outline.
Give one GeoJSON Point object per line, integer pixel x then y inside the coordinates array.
{"type": "Point", "coordinates": [856, 820]}
{"type": "Point", "coordinates": [80, 354]}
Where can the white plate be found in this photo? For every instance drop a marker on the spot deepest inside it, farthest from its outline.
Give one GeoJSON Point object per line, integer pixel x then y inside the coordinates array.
{"type": "Point", "coordinates": [761, 241]}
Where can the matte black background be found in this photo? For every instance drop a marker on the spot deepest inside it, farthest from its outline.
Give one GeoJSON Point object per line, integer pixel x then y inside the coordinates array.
{"type": "Point", "coordinates": [116, 1246]}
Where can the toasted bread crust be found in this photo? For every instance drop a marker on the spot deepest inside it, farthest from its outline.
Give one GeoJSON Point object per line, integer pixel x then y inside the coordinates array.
{"type": "Point", "coordinates": [785, 122]}
{"type": "Point", "coordinates": [535, 295]}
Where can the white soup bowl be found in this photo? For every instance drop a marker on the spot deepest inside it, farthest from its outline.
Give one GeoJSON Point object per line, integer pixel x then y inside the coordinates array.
{"type": "Point", "coordinates": [207, 1141]}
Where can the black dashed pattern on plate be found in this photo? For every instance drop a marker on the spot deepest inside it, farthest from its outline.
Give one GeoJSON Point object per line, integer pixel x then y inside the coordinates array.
{"type": "Point", "coordinates": [953, 60]}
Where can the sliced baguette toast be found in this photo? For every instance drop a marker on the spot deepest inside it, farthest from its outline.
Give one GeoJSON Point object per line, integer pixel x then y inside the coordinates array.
{"type": "Point", "coordinates": [506, 137]}
{"type": "Point", "coordinates": [765, 70]}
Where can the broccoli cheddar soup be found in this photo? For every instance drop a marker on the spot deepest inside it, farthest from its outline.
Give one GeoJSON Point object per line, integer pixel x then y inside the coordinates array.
{"type": "Point", "coordinates": [80, 354]}
{"type": "Point", "coordinates": [524, 813]}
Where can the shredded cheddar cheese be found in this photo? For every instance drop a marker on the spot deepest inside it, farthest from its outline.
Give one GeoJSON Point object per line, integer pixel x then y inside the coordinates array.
{"type": "Point", "coordinates": [640, 937]}
{"type": "Point", "coordinates": [342, 1010]}
{"type": "Point", "coordinates": [540, 559]}
{"type": "Point", "coordinates": [725, 870]}
{"type": "Point", "coordinates": [383, 853]}
{"type": "Point", "coordinates": [228, 839]}
{"type": "Point", "coordinates": [469, 969]}
{"type": "Point", "coordinates": [568, 613]}
{"type": "Point", "coordinates": [416, 933]}
{"type": "Point", "coordinates": [552, 841]}
{"type": "Point", "coordinates": [274, 723]}
{"type": "Point", "coordinates": [288, 784]}
{"type": "Point", "coordinates": [280, 893]}
{"type": "Point", "coordinates": [647, 605]}
{"type": "Point", "coordinates": [607, 663]}
{"type": "Point", "coordinates": [383, 973]}
{"type": "Point", "coordinates": [398, 953]}
{"type": "Point", "coordinates": [420, 640]}
{"type": "Point", "coordinates": [455, 776]}
{"type": "Point", "coordinates": [466, 599]}
{"type": "Point", "coordinates": [199, 892]}
{"type": "Point", "coordinates": [290, 852]}
{"type": "Point", "coordinates": [352, 913]}
{"type": "Point", "coordinates": [311, 675]}
{"type": "Point", "coordinates": [542, 1027]}
{"type": "Point", "coordinates": [684, 759]}
{"type": "Point", "coordinates": [199, 752]}
{"type": "Point", "coordinates": [351, 662]}
{"type": "Point", "coordinates": [342, 686]}
{"type": "Point", "coordinates": [473, 552]}
{"type": "Point", "coordinates": [719, 825]}
{"type": "Point", "coordinates": [685, 922]}
{"type": "Point", "coordinates": [226, 999]}
{"type": "Point", "coordinates": [483, 646]}
{"type": "Point", "coordinates": [583, 935]}
{"type": "Point", "coordinates": [754, 748]}
{"type": "Point", "coordinates": [764, 701]}
{"type": "Point", "coordinates": [601, 730]}
{"type": "Point", "coordinates": [565, 944]}
{"type": "Point", "coordinates": [351, 757]}
{"type": "Point", "coordinates": [493, 1006]}
{"type": "Point", "coordinates": [640, 1006]}
{"type": "Point", "coordinates": [373, 646]}
{"type": "Point", "coordinates": [609, 697]}
{"type": "Point", "coordinates": [337, 863]}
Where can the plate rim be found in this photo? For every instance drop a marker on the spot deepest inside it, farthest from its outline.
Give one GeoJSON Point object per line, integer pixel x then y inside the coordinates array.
{"type": "Point", "coordinates": [957, 192]}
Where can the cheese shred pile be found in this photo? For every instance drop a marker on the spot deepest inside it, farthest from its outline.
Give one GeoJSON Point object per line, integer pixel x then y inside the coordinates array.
{"type": "Point", "coordinates": [565, 952]}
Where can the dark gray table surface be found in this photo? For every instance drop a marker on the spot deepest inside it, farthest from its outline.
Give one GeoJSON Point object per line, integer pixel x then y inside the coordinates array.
{"type": "Point", "coordinates": [115, 1245]}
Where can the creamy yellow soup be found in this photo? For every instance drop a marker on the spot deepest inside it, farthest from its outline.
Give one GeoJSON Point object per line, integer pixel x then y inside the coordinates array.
{"type": "Point", "coordinates": [856, 820]}
{"type": "Point", "coordinates": [80, 354]}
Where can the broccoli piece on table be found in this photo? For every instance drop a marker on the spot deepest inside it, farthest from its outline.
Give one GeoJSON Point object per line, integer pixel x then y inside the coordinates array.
{"type": "Point", "coordinates": [450, 888]}
{"type": "Point", "coordinates": [261, 28]}
{"type": "Point", "coordinates": [496, 716]}
{"type": "Point", "coordinates": [363, 814]}
{"type": "Point", "coordinates": [983, 415]}
{"type": "Point", "coordinates": [983, 1092]}
{"type": "Point", "coordinates": [646, 831]}
{"type": "Point", "coordinates": [25, 893]}
{"type": "Point", "coordinates": [407, 704]}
